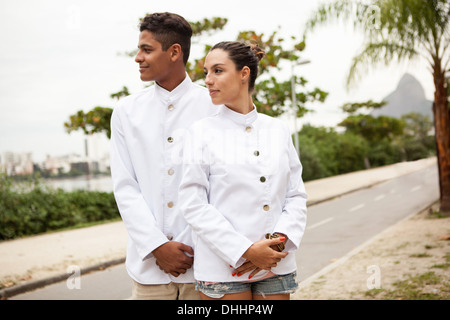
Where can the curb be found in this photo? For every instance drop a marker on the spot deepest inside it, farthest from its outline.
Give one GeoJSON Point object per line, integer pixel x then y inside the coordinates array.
{"type": "Point", "coordinates": [355, 251]}
{"type": "Point", "coordinates": [29, 286]}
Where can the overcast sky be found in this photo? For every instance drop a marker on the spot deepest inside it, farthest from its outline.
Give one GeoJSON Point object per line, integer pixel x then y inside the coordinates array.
{"type": "Point", "coordinates": [59, 56]}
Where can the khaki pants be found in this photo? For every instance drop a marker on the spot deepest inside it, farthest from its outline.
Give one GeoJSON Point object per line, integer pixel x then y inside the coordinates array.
{"type": "Point", "coordinates": [171, 291]}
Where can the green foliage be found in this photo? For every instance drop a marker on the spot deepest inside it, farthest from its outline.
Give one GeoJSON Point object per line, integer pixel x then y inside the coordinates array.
{"type": "Point", "coordinates": [325, 152]}
{"type": "Point", "coordinates": [372, 128]}
{"type": "Point", "coordinates": [33, 208]}
{"type": "Point", "coordinates": [93, 121]}
{"type": "Point", "coordinates": [394, 30]}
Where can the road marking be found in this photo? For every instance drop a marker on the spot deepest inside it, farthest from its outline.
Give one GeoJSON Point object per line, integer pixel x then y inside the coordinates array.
{"type": "Point", "coordinates": [416, 188]}
{"type": "Point", "coordinates": [380, 197]}
{"type": "Point", "coordinates": [318, 224]}
{"type": "Point", "coordinates": [359, 206]}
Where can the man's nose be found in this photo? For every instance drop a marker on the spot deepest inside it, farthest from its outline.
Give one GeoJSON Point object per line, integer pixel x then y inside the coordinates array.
{"type": "Point", "coordinates": [138, 58]}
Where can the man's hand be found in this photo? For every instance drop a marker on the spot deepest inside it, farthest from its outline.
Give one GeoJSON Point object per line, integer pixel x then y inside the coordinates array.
{"type": "Point", "coordinates": [171, 257]}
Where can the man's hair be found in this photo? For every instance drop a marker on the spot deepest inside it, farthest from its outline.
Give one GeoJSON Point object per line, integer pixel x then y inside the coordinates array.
{"type": "Point", "coordinates": [168, 29]}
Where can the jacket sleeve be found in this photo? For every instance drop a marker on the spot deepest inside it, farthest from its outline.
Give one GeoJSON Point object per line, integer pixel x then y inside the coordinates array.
{"type": "Point", "coordinates": [292, 221]}
{"type": "Point", "coordinates": [137, 216]}
{"type": "Point", "coordinates": [205, 220]}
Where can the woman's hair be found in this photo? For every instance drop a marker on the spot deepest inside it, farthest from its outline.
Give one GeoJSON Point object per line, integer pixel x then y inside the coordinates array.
{"type": "Point", "coordinates": [168, 29]}
{"type": "Point", "coordinates": [243, 55]}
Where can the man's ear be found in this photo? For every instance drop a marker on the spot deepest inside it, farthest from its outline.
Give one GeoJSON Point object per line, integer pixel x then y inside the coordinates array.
{"type": "Point", "coordinates": [176, 52]}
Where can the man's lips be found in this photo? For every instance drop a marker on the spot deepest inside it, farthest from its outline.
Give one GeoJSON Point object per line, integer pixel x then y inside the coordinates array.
{"type": "Point", "coordinates": [142, 68]}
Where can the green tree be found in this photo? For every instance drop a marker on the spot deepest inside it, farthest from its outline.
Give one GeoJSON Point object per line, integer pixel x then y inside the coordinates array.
{"type": "Point", "coordinates": [404, 30]}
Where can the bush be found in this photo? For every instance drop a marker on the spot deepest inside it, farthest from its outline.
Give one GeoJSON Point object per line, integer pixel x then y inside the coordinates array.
{"type": "Point", "coordinates": [34, 208]}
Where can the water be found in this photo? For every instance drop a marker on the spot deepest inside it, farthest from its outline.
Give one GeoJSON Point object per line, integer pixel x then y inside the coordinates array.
{"type": "Point", "coordinates": [97, 183]}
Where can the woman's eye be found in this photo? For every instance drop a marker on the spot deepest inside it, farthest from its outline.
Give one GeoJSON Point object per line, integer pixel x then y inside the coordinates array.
{"type": "Point", "coordinates": [218, 70]}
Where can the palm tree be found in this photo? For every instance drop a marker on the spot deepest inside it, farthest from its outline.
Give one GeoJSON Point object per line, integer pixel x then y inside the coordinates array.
{"type": "Point", "coordinates": [404, 30]}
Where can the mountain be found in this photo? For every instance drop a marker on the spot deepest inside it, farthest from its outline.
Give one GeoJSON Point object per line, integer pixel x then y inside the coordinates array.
{"type": "Point", "coordinates": [408, 97]}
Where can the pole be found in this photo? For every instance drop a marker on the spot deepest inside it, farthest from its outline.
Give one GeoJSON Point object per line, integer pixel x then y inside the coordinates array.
{"type": "Point", "coordinates": [294, 109]}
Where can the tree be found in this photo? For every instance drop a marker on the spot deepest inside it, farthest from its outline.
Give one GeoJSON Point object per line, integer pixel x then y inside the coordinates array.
{"type": "Point", "coordinates": [404, 30]}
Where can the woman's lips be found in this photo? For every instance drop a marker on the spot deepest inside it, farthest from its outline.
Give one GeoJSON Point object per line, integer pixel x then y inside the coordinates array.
{"type": "Point", "coordinates": [212, 92]}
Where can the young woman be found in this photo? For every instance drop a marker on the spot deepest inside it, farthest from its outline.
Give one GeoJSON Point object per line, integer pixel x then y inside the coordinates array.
{"type": "Point", "coordinates": [241, 190]}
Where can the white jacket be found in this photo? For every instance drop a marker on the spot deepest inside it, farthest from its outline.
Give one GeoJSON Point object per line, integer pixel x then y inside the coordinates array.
{"type": "Point", "coordinates": [241, 180]}
{"type": "Point", "coordinates": [147, 132]}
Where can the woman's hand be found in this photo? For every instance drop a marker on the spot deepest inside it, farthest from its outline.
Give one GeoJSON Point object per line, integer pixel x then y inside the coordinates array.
{"type": "Point", "coordinates": [262, 255]}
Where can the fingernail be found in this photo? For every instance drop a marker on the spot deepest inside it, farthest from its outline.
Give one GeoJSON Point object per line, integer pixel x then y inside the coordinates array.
{"type": "Point", "coordinates": [231, 266]}
{"type": "Point", "coordinates": [250, 276]}
{"type": "Point", "coordinates": [239, 274]}
{"type": "Point", "coordinates": [233, 274]}
{"type": "Point", "coordinates": [282, 238]}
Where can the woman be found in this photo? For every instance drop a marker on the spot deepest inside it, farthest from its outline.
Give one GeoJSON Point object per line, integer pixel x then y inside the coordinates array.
{"type": "Point", "coordinates": [241, 184]}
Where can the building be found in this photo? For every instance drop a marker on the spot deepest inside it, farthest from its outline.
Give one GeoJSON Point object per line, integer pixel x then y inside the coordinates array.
{"type": "Point", "coordinates": [16, 163]}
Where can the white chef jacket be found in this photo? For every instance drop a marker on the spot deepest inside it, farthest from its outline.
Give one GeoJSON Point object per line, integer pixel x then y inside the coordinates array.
{"type": "Point", "coordinates": [147, 132]}
{"type": "Point", "coordinates": [241, 180]}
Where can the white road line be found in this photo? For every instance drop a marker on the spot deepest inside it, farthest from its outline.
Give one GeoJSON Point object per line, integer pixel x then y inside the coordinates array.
{"type": "Point", "coordinates": [359, 206]}
{"type": "Point", "coordinates": [318, 224]}
{"type": "Point", "coordinates": [380, 197]}
{"type": "Point", "coordinates": [416, 188]}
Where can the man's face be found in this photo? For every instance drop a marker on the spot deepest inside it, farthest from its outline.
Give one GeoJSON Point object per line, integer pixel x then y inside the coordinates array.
{"type": "Point", "coordinates": [154, 63]}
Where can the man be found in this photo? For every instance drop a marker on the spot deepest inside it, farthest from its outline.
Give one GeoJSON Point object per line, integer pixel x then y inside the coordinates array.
{"type": "Point", "coordinates": [147, 130]}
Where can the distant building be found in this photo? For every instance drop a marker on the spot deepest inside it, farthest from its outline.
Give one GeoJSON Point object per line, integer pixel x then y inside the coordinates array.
{"type": "Point", "coordinates": [16, 163]}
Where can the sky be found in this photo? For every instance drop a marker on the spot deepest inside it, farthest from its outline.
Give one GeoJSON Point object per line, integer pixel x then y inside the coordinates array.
{"type": "Point", "coordinates": [61, 56]}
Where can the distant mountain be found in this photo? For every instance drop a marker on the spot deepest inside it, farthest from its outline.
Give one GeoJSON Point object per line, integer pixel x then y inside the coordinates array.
{"type": "Point", "coordinates": [408, 97]}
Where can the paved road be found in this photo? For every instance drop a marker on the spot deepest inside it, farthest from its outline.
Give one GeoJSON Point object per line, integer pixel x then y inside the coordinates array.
{"type": "Point", "coordinates": [334, 229]}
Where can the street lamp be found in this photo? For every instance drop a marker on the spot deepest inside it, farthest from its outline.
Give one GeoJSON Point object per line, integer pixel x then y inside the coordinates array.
{"type": "Point", "coordinates": [294, 101]}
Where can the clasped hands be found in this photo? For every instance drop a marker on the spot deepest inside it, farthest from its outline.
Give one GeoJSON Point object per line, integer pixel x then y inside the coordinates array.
{"type": "Point", "coordinates": [262, 255]}
{"type": "Point", "coordinates": [172, 258]}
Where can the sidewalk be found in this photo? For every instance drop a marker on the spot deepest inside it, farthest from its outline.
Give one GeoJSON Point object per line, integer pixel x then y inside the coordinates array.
{"type": "Point", "coordinates": [35, 261]}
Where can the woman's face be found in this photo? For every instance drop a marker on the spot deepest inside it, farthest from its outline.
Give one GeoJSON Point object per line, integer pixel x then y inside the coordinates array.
{"type": "Point", "coordinates": [224, 82]}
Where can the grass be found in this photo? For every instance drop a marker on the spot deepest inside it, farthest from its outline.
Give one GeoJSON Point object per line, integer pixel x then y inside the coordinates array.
{"type": "Point", "coordinates": [427, 286]}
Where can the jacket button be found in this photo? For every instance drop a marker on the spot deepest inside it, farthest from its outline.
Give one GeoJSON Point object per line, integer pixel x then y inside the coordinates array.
{"type": "Point", "coordinates": [262, 179]}
{"type": "Point", "coordinates": [256, 153]}
{"type": "Point", "coordinates": [170, 107]}
{"type": "Point", "coordinates": [171, 172]}
{"type": "Point", "coordinates": [266, 207]}
{"type": "Point", "coordinates": [170, 139]}
{"type": "Point", "coordinates": [248, 129]}
{"type": "Point", "coordinates": [170, 204]}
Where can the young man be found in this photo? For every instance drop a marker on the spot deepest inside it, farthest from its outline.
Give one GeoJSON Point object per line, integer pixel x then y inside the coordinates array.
{"type": "Point", "coordinates": [147, 134]}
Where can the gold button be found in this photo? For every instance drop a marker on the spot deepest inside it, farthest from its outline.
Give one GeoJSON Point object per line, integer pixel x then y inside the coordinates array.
{"type": "Point", "coordinates": [248, 129]}
{"type": "Point", "coordinates": [171, 172]}
{"type": "Point", "coordinates": [170, 107]}
{"type": "Point", "coordinates": [256, 153]}
{"type": "Point", "coordinates": [262, 179]}
{"type": "Point", "coordinates": [266, 207]}
{"type": "Point", "coordinates": [170, 204]}
{"type": "Point", "coordinates": [170, 139]}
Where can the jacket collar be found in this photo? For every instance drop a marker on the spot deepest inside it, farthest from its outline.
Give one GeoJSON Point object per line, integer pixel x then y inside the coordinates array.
{"type": "Point", "coordinates": [239, 118]}
{"type": "Point", "coordinates": [176, 93]}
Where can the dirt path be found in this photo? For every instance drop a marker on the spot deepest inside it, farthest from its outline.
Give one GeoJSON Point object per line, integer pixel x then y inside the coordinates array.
{"type": "Point", "coordinates": [410, 260]}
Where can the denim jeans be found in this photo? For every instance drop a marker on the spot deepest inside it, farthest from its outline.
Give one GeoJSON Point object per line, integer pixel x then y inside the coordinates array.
{"type": "Point", "coordinates": [278, 284]}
